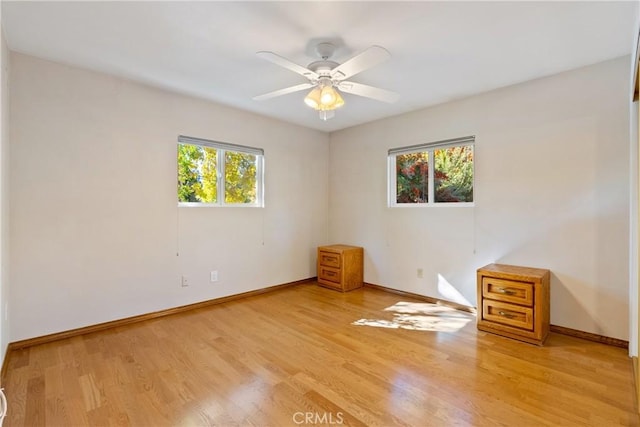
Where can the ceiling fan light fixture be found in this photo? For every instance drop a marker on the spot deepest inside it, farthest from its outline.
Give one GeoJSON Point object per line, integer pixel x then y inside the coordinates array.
{"type": "Point", "coordinates": [328, 96]}
{"type": "Point", "coordinates": [313, 98]}
{"type": "Point", "coordinates": [339, 102]}
{"type": "Point", "coordinates": [326, 114]}
{"type": "Point", "coordinates": [323, 99]}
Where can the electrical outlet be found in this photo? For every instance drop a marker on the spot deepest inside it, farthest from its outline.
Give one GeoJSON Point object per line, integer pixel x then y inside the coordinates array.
{"type": "Point", "coordinates": [420, 273]}
{"type": "Point", "coordinates": [214, 276]}
{"type": "Point", "coordinates": [185, 281]}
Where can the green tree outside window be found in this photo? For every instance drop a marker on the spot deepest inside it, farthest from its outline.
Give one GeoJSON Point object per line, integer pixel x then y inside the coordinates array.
{"type": "Point", "coordinates": [199, 168]}
{"type": "Point", "coordinates": [452, 175]}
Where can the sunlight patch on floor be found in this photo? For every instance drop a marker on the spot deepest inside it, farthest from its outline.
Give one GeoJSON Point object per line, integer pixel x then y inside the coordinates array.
{"type": "Point", "coordinates": [420, 317]}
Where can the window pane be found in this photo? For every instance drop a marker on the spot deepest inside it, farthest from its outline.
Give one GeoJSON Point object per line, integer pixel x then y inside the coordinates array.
{"type": "Point", "coordinates": [412, 177]}
{"type": "Point", "coordinates": [197, 174]}
{"type": "Point", "coordinates": [453, 174]}
{"type": "Point", "coordinates": [240, 177]}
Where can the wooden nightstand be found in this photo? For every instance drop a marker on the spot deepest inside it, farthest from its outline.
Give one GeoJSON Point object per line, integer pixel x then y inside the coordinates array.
{"type": "Point", "coordinates": [514, 302]}
{"type": "Point", "coordinates": [340, 267]}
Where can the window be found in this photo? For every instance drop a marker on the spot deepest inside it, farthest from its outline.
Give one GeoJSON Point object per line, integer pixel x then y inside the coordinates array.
{"type": "Point", "coordinates": [218, 173]}
{"type": "Point", "coordinates": [450, 180]}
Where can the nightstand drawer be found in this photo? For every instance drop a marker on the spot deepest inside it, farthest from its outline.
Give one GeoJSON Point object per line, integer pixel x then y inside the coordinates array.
{"type": "Point", "coordinates": [340, 267]}
{"type": "Point", "coordinates": [330, 259]}
{"type": "Point", "coordinates": [513, 301]}
{"type": "Point", "coordinates": [508, 314]}
{"type": "Point", "coordinates": [508, 290]}
{"type": "Point", "coordinates": [328, 273]}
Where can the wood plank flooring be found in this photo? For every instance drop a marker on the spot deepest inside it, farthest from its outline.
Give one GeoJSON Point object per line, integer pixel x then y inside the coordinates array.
{"type": "Point", "coordinates": [295, 357]}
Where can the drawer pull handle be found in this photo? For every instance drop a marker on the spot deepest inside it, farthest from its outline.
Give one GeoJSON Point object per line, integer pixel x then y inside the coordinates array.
{"type": "Point", "coordinates": [506, 291]}
{"type": "Point", "coordinates": [329, 273]}
{"type": "Point", "coordinates": [505, 314]}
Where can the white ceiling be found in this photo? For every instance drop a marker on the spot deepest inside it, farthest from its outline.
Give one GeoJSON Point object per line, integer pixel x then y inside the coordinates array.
{"type": "Point", "coordinates": [439, 50]}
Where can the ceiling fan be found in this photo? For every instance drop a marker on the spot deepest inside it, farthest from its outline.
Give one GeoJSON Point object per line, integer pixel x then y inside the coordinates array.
{"type": "Point", "coordinates": [327, 78]}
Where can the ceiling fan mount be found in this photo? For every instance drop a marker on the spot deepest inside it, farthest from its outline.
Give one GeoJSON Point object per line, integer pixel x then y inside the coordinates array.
{"type": "Point", "coordinates": [325, 50]}
{"type": "Point", "coordinates": [327, 78]}
{"type": "Point", "coordinates": [324, 66]}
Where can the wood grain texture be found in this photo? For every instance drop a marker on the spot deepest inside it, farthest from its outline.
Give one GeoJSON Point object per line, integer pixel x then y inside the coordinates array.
{"type": "Point", "coordinates": [424, 298]}
{"type": "Point", "coordinates": [508, 307]}
{"type": "Point", "coordinates": [340, 267]}
{"type": "Point", "coordinates": [635, 377]}
{"type": "Point", "coordinates": [143, 317]}
{"type": "Point", "coordinates": [263, 360]}
{"type": "Point", "coordinates": [553, 328]}
{"type": "Point", "coordinates": [590, 336]}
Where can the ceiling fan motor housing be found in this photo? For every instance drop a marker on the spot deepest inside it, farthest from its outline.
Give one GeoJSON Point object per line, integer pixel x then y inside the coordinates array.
{"type": "Point", "coordinates": [324, 66]}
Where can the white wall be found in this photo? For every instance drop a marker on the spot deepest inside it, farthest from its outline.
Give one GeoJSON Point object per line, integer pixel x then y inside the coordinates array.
{"type": "Point", "coordinates": [94, 219]}
{"type": "Point", "coordinates": [95, 228]}
{"type": "Point", "coordinates": [4, 195]}
{"type": "Point", "coordinates": [552, 191]}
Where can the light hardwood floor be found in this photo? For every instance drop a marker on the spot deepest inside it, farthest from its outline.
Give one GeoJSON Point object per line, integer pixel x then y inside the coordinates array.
{"type": "Point", "coordinates": [295, 357]}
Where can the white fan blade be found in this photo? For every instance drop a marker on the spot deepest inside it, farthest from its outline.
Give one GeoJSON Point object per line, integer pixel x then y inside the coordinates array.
{"type": "Point", "coordinates": [284, 62]}
{"type": "Point", "coordinates": [367, 59]}
{"type": "Point", "coordinates": [284, 91]}
{"type": "Point", "coordinates": [368, 91]}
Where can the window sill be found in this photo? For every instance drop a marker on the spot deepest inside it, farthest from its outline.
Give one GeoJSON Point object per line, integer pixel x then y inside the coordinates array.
{"type": "Point", "coordinates": [215, 205]}
{"type": "Point", "coordinates": [433, 205]}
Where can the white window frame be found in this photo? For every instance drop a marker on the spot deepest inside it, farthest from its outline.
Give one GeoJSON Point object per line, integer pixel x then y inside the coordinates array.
{"type": "Point", "coordinates": [222, 148]}
{"type": "Point", "coordinates": [429, 148]}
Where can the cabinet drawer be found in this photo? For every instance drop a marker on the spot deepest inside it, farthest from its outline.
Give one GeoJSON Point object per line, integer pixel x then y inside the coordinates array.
{"type": "Point", "coordinates": [330, 259]}
{"type": "Point", "coordinates": [508, 290]}
{"type": "Point", "coordinates": [329, 273]}
{"type": "Point", "coordinates": [508, 314]}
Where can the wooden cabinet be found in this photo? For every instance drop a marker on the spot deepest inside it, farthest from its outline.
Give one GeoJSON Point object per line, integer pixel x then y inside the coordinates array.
{"type": "Point", "coordinates": [340, 267]}
{"type": "Point", "coordinates": [513, 302]}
